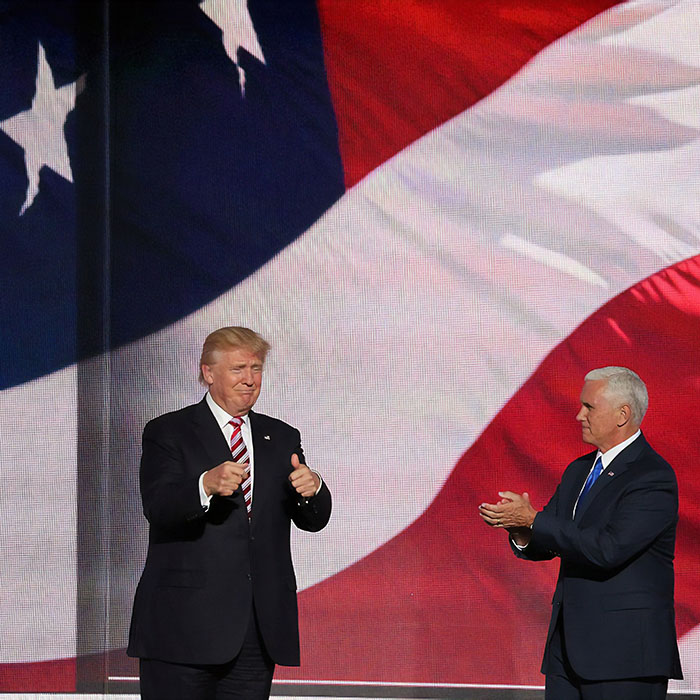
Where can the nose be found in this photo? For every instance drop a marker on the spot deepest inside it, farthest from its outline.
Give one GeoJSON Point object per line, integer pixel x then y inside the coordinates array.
{"type": "Point", "coordinates": [580, 416]}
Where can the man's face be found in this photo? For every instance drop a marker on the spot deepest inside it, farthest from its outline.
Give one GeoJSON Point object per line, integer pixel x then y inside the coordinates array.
{"type": "Point", "coordinates": [234, 379]}
{"type": "Point", "coordinates": [600, 419]}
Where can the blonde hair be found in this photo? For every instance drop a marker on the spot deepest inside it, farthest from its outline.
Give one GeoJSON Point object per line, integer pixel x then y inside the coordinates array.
{"type": "Point", "coordinates": [230, 338]}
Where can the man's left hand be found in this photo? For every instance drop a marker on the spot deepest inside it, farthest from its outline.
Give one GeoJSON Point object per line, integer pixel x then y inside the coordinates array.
{"type": "Point", "coordinates": [304, 481]}
{"type": "Point", "coordinates": [512, 511]}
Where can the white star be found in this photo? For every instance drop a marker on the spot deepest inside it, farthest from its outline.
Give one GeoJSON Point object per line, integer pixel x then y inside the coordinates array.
{"type": "Point", "coordinates": [39, 130]}
{"type": "Point", "coordinates": [234, 20]}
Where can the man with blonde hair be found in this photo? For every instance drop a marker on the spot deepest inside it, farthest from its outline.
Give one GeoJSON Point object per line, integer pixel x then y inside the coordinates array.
{"type": "Point", "coordinates": [216, 608]}
{"type": "Point", "coordinates": [612, 522]}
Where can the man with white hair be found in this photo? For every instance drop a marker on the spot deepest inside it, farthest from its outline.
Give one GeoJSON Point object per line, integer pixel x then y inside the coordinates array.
{"type": "Point", "coordinates": [612, 522]}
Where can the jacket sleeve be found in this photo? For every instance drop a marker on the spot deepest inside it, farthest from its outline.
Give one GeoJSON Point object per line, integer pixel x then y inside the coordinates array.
{"type": "Point", "coordinates": [311, 514]}
{"type": "Point", "coordinates": [170, 496]}
{"type": "Point", "coordinates": [535, 551]}
{"type": "Point", "coordinates": [647, 507]}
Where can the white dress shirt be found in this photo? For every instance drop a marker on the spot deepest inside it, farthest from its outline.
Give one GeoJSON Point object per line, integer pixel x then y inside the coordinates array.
{"type": "Point", "coordinates": [606, 458]}
{"type": "Point", "coordinates": [223, 420]}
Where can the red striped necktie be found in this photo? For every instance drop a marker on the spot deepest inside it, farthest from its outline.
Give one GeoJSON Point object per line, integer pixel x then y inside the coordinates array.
{"type": "Point", "coordinates": [239, 453]}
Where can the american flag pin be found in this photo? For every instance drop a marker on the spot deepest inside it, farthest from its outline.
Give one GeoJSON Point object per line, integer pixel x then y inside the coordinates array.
{"type": "Point", "coordinates": [267, 437]}
{"type": "Point", "coordinates": [611, 473]}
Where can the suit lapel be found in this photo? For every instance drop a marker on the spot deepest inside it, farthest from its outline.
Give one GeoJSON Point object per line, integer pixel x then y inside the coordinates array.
{"type": "Point", "coordinates": [575, 483]}
{"type": "Point", "coordinates": [615, 469]}
{"type": "Point", "coordinates": [210, 435]}
{"type": "Point", "coordinates": [263, 454]}
{"type": "Point", "coordinates": [213, 441]}
{"type": "Point", "coordinates": [571, 484]}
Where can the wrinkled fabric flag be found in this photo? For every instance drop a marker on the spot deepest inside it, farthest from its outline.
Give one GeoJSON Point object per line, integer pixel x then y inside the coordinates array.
{"type": "Point", "coordinates": [434, 212]}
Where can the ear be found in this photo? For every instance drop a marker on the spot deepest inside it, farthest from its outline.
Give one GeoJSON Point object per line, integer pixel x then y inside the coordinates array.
{"type": "Point", "coordinates": [206, 373]}
{"type": "Point", "coordinates": [625, 413]}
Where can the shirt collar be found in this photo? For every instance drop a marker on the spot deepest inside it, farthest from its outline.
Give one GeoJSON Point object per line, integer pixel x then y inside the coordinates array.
{"type": "Point", "coordinates": [608, 456]}
{"type": "Point", "coordinates": [222, 417]}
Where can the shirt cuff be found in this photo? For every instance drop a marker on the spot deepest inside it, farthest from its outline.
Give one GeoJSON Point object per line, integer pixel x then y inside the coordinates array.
{"type": "Point", "coordinates": [521, 547]}
{"type": "Point", "coordinates": [320, 481]}
{"type": "Point", "coordinates": [203, 498]}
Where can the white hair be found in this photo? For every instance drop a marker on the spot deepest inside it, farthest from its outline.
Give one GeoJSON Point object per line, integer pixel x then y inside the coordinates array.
{"type": "Point", "coordinates": [625, 385]}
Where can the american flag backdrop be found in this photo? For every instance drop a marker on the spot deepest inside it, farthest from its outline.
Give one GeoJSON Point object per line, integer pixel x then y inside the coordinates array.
{"type": "Point", "coordinates": [441, 213]}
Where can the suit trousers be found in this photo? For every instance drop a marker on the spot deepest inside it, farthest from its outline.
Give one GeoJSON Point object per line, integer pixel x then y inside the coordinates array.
{"type": "Point", "coordinates": [562, 682]}
{"type": "Point", "coordinates": [246, 677]}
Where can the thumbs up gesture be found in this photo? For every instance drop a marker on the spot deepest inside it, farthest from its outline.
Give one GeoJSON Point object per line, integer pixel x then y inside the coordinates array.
{"type": "Point", "coordinates": [303, 480]}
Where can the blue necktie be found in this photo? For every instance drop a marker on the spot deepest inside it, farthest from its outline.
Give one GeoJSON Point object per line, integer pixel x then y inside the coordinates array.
{"type": "Point", "coordinates": [595, 473]}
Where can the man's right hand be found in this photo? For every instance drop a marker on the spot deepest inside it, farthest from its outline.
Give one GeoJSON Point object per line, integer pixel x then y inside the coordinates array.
{"type": "Point", "coordinates": [225, 478]}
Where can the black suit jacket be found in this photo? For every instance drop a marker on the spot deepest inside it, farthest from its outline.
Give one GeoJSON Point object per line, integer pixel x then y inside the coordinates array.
{"type": "Point", "coordinates": [615, 586]}
{"type": "Point", "coordinates": [205, 571]}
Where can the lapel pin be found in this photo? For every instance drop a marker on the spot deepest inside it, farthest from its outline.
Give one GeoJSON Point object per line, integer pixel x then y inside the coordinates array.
{"type": "Point", "coordinates": [611, 473]}
{"type": "Point", "coordinates": [267, 437]}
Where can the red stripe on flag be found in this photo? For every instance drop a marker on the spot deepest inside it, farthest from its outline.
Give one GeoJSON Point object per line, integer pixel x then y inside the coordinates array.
{"type": "Point", "coordinates": [446, 601]}
{"type": "Point", "coordinates": [398, 70]}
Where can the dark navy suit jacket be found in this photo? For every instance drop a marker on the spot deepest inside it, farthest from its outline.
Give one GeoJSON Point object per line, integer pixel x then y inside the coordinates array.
{"type": "Point", "coordinates": [615, 586]}
{"type": "Point", "coordinates": [205, 571]}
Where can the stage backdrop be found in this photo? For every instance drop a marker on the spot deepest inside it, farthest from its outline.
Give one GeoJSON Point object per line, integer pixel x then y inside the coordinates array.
{"type": "Point", "coordinates": [440, 213]}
